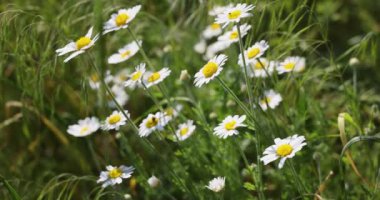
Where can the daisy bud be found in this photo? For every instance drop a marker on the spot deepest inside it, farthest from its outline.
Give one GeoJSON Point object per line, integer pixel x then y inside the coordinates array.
{"type": "Point", "coordinates": [127, 196]}
{"type": "Point", "coordinates": [154, 182]}
{"type": "Point", "coordinates": [184, 75]}
{"type": "Point", "coordinates": [231, 103]}
{"type": "Point", "coordinates": [212, 115]}
{"type": "Point", "coordinates": [243, 88]}
{"type": "Point", "coordinates": [353, 61]}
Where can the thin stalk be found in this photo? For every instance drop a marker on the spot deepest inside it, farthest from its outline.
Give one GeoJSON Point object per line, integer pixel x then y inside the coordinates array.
{"type": "Point", "coordinates": [141, 49]}
{"type": "Point", "coordinates": [300, 186]}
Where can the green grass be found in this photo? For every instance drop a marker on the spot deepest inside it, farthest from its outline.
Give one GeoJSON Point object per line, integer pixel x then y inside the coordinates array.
{"type": "Point", "coordinates": [41, 96]}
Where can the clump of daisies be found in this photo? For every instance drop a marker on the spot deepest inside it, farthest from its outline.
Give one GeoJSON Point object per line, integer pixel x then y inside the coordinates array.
{"type": "Point", "coordinates": [283, 149]}
{"type": "Point", "coordinates": [271, 99]}
{"type": "Point", "coordinates": [210, 70]}
{"type": "Point", "coordinates": [121, 19]}
{"type": "Point", "coordinates": [79, 46]}
{"type": "Point", "coordinates": [115, 120]}
{"type": "Point", "coordinates": [185, 130]}
{"type": "Point", "coordinates": [229, 126]}
{"type": "Point", "coordinates": [114, 175]}
{"type": "Point", "coordinates": [84, 127]}
{"type": "Point", "coordinates": [217, 184]}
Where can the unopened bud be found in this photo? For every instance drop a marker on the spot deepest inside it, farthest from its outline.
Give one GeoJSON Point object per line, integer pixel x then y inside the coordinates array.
{"type": "Point", "coordinates": [353, 61]}
{"type": "Point", "coordinates": [154, 182]}
{"type": "Point", "coordinates": [184, 75]}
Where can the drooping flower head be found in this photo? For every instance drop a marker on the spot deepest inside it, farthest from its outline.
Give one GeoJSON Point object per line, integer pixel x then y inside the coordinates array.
{"type": "Point", "coordinates": [114, 175]}
{"type": "Point", "coordinates": [283, 149]}
{"type": "Point", "coordinates": [125, 53]}
{"type": "Point", "coordinates": [121, 19]}
{"type": "Point", "coordinates": [115, 120]}
{"type": "Point", "coordinates": [229, 126]}
{"type": "Point", "coordinates": [270, 99]}
{"type": "Point", "coordinates": [79, 46]}
{"type": "Point", "coordinates": [210, 70]}
{"type": "Point", "coordinates": [292, 64]}
{"type": "Point", "coordinates": [217, 184]}
{"type": "Point", "coordinates": [234, 14]}
{"type": "Point", "coordinates": [185, 130]}
{"type": "Point", "coordinates": [84, 127]}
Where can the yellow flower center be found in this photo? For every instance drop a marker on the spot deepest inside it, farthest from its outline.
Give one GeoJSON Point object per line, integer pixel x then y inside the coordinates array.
{"type": "Point", "coordinates": [115, 173]}
{"type": "Point", "coordinates": [94, 77]}
{"type": "Point", "coordinates": [125, 53]}
{"type": "Point", "coordinates": [230, 125]}
{"type": "Point", "coordinates": [184, 131]}
{"type": "Point", "coordinates": [82, 42]}
{"type": "Point", "coordinates": [169, 111]}
{"type": "Point", "coordinates": [121, 19]}
{"type": "Point", "coordinates": [266, 100]}
{"type": "Point", "coordinates": [136, 75]}
{"type": "Point", "coordinates": [215, 26]}
{"type": "Point", "coordinates": [284, 150]}
{"type": "Point", "coordinates": [151, 122]}
{"type": "Point", "coordinates": [83, 130]}
{"type": "Point", "coordinates": [154, 77]}
{"type": "Point", "coordinates": [290, 66]}
{"type": "Point", "coordinates": [234, 14]}
{"type": "Point", "coordinates": [114, 119]}
{"type": "Point", "coordinates": [260, 65]}
{"type": "Point", "coordinates": [253, 52]}
{"type": "Point", "coordinates": [234, 35]}
{"type": "Point", "coordinates": [209, 69]}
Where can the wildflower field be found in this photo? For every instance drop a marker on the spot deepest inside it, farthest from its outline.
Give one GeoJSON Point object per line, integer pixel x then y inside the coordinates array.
{"type": "Point", "coordinates": [189, 99]}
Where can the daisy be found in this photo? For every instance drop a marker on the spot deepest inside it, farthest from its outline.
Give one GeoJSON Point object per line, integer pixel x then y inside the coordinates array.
{"type": "Point", "coordinates": [114, 175]}
{"type": "Point", "coordinates": [283, 148]}
{"type": "Point", "coordinates": [234, 14]}
{"type": "Point", "coordinates": [210, 70]}
{"type": "Point", "coordinates": [115, 120]}
{"type": "Point", "coordinates": [125, 53]}
{"type": "Point", "coordinates": [120, 95]}
{"type": "Point", "coordinates": [212, 31]}
{"type": "Point", "coordinates": [233, 35]}
{"type": "Point", "coordinates": [200, 47]}
{"type": "Point", "coordinates": [185, 130]}
{"type": "Point", "coordinates": [216, 10]}
{"type": "Point", "coordinates": [229, 125]}
{"type": "Point", "coordinates": [121, 76]}
{"type": "Point", "coordinates": [216, 184]}
{"type": "Point", "coordinates": [271, 99]}
{"type": "Point", "coordinates": [94, 80]}
{"type": "Point", "coordinates": [290, 64]}
{"type": "Point", "coordinates": [136, 76]}
{"type": "Point", "coordinates": [79, 46]}
{"type": "Point", "coordinates": [254, 52]}
{"type": "Point", "coordinates": [263, 68]}
{"type": "Point", "coordinates": [121, 19]}
{"type": "Point", "coordinates": [171, 113]}
{"type": "Point", "coordinates": [153, 78]}
{"type": "Point", "coordinates": [153, 182]}
{"type": "Point", "coordinates": [152, 123]}
{"type": "Point", "coordinates": [215, 48]}
{"type": "Point", "coordinates": [84, 127]}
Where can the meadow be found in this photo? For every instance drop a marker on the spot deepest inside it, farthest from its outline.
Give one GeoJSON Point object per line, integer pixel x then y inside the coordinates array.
{"type": "Point", "coordinates": [189, 99]}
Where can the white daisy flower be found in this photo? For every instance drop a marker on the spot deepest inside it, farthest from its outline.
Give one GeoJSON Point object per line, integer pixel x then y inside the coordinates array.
{"type": "Point", "coordinates": [154, 182]}
{"type": "Point", "coordinates": [135, 77]}
{"type": "Point", "coordinates": [125, 53]}
{"type": "Point", "coordinates": [152, 123]}
{"type": "Point", "coordinates": [84, 127]}
{"type": "Point", "coordinates": [263, 68]}
{"type": "Point", "coordinates": [254, 52]}
{"type": "Point", "coordinates": [234, 14]}
{"type": "Point", "coordinates": [115, 120]}
{"type": "Point", "coordinates": [291, 64]}
{"type": "Point", "coordinates": [185, 130]}
{"type": "Point", "coordinates": [216, 10]}
{"type": "Point", "coordinates": [120, 95]}
{"type": "Point", "coordinates": [200, 47]}
{"type": "Point", "coordinates": [94, 80]}
{"type": "Point", "coordinates": [121, 19]}
{"type": "Point", "coordinates": [216, 184]}
{"type": "Point", "coordinates": [210, 70]}
{"type": "Point", "coordinates": [114, 175]}
{"type": "Point", "coordinates": [153, 78]}
{"type": "Point", "coordinates": [212, 30]}
{"type": "Point", "coordinates": [79, 46]}
{"type": "Point", "coordinates": [121, 76]}
{"type": "Point", "coordinates": [283, 148]}
{"type": "Point", "coordinates": [215, 48]}
{"type": "Point", "coordinates": [233, 35]}
{"type": "Point", "coordinates": [229, 125]}
{"type": "Point", "coordinates": [270, 99]}
{"type": "Point", "coordinates": [172, 113]}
